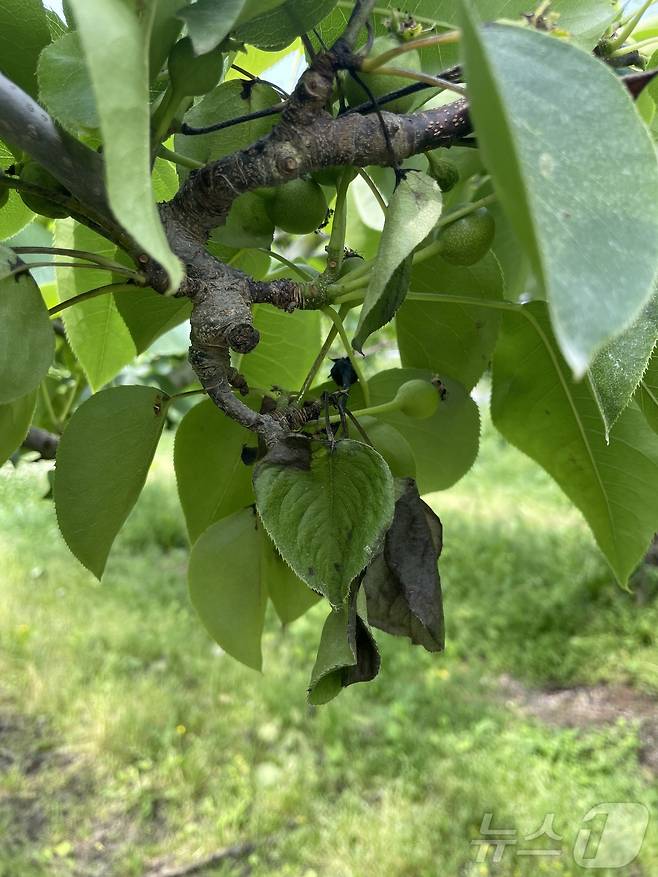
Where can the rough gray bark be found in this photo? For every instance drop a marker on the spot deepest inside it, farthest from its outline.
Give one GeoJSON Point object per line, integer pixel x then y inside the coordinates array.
{"type": "Point", "coordinates": [307, 138]}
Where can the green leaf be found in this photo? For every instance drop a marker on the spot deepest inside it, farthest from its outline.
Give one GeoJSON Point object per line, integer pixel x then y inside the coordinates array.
{"type": "Point", "coordinates": [445, 445]}
{"type": "Point", "coordinates": [226, 587]}
{"type": "Point", "coordinates": [646, 395]}
{"type": "Point", "coordinates": [95, 329]}
{"type": "Point", "coordinates": [27, 342]}
{"type": "Point", "coordinates": [165, 29]}
{"type": "Point", "coordinates": [228, 101]}
{"type": "Point", "coordinates": [618, 369]}
{"type": "Point", "coordinates": [285, 353]}
{"type": "Point", "coordinates": [14, 216]}
{"type": "Point", "coordinates": [451, 339]}
{"type": "Point", "coordinates": [278, 27]}
{"type": "Point", "coordinates": [64, 85]}
{"type": "Point", "coordinates": [347, 654]}
{"type": "Point", "coordinates": [209, 22]}
{"type": "Point", "coordinates": [402, 584]}
{"type": "Point", "coordinates": [413, 211]}
{"type": "Point", "coordinates": [148, 315]}
{"type": "Point", "coordinates": [24, 33]}
{"type": "Point", "coordinates": [554, 420]}
{"type": "Point", "coordinates": [555, 160]}
{"type": "Point", "coordinates": [102, 463]}
{"type": "Point", "coordinates": [290, 597]}
{"type": "Point", "coordinates": [213, 482]}
{"type": "Point", "coordinates": [15, 420]}
{"type": "Point", "coordinates": [114, 42]}
{"type": "Point", "coordinates": [326, 510]}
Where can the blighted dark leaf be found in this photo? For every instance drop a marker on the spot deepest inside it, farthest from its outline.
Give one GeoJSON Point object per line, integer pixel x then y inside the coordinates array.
{"type": "Point", "coordinates": [402, 585]}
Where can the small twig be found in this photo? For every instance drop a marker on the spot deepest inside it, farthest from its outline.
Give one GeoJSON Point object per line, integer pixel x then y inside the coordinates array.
{"type": "Point", "coordinates": [335, 317]}
{"type": "Point", "coordinates": [191, 131]}
{"type": "Point", "coordinates": [358, 19]}
{"type": "Point", "coordinates": [257, 80]}
{"type": "Point", "coordinates": [76, 254]}
{"type": "Point", "coordinates": [435, 81]}
{"type": "Point", "coordinates": [365, 176]}
{"type": "Point", "coordinates": [28, 266]}
{"type": "Point", "coordinates": [92, 293]}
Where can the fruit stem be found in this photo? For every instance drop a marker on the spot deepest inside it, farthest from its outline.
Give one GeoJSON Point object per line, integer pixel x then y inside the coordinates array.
{"type": "Point", "coordinates": [423, 77]}
{"type": "Point", "coordinates": [177, 158]}
{"type": "Point", "coordinates": [164, 114]}
{"type": "Point", "coordinates": [622, 35]}
{"type": "Point", "coordinates": [92, 293]}
{"type": "Point", "coordinates": [336, 246]}
{"type": "Point", "coordinates": [634, 47]}
{"type": "Point", "coordinates": [319, 359]}
{"type": "Point", "coordinates": [368, 180]}
{"type": "Point", "coordinates": [336, 319]}
{"type": "Point", "coordinates": [369, 411]}
{"type": "Point", "coordinates": [279, 258]}
{"type": "Point", "coordinates": [370, 64]}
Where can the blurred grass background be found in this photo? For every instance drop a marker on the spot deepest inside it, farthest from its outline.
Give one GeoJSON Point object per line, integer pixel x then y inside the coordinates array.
{"type": "Point", "coordinates": [127, 740]}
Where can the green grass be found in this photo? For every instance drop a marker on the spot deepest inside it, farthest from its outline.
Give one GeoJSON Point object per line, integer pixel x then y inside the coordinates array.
{"type": "Point", "coordinates": [125, 736]}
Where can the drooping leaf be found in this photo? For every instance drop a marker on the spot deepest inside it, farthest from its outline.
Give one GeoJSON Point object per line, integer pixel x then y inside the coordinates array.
{"type": "Point", "coordinates": [102, 463]}
{"type": "Point", "coordinates": [347, 654]}
{"type": "Point", "coordinates": [27, 342]}
{"type": "Point", "coordinates": [447, 338]}
{"type": "Point", "coordinates": [213, 482]}
{"type": "Point", "coordinates": [619, 367]}
{"type": "Point", "coordinates": [646, 394]}
{"type": "Point", "coordinates": [15, 420]}
{"type": "Point", "coordinates": [285, 353]}
{"type": "Point", "coordinates": [290, 597]}
{"type": "Point", "coordinates": [65, 86]}
{"type": "Point", "coordinates": [24, 33]}
{"type": "Point", "coordinates": [536, 103]}
{"type": "Point", "coordinates": [96, 331]}
{"type": "Point", "coordinates": [413, 211]}
{"type": "Point", "coordinates": [209, 22]}
{"type": "Point", "coordinates": [445, 445]}
{"type": "Point", "coordinates": [226, 587]}
{"type": "Point", "coordinates": [278, 27]}
{"type": "Point", "coordinates": [402, 584]}
{"type": "Point", "coordinates": [326, 509]}
{"type": "Point", "coordinates": [114, 41]}
{"type": "Point", "coordinates": [228, 101]}
{"type": "Point", "coordinates": [540, 409]}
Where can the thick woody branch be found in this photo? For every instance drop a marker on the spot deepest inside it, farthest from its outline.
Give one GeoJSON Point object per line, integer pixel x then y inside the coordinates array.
{"type": "Point", "coordinates": [25, 125]}
{"type": "Point", "coordinates": [292, 150]}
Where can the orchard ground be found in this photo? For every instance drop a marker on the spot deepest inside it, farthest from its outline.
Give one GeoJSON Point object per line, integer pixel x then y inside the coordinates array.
{"type": "Point", "coordinates": [129, 745]}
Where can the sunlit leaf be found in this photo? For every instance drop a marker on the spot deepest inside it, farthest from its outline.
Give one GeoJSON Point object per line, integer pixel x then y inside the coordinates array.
{"type": "Point", "coordinates": [326, 509]}
{"type": "Point", "coordinates": [555, 158]}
